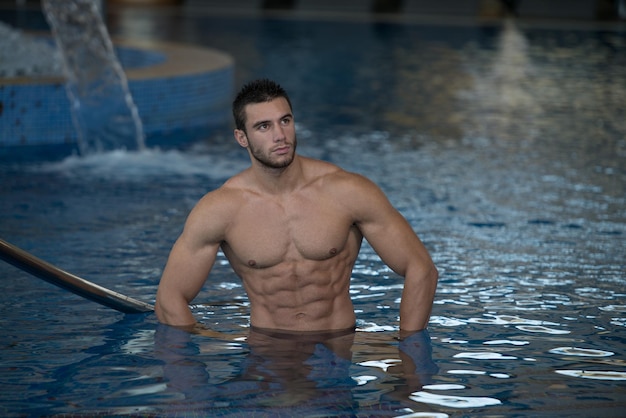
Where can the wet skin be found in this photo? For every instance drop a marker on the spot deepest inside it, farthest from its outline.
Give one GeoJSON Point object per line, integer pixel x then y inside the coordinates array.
{"type": "Point", "coordinates": [291, 228]}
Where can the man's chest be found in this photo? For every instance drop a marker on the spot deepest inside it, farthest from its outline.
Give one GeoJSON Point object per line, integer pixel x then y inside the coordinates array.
{"type": "Point", "coordinates": [265, 234]}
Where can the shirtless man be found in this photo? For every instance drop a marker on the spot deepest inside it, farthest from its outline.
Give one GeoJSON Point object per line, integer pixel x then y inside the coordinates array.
{"type": "Point", "coordinates": [291, 228]}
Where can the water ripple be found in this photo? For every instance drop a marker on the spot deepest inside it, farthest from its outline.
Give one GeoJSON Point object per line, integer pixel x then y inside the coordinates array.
{"type": "Point", "coordinates": [460, 371]}
{"type": "Point", "coordinates": [448, 386]}
{"type": "Point", "coordinates": [362, 380]}
{"type": "Point", "coordinates": [512, 342]}
{"type": "Point", "coordinates": [481, 373]}
{"type": "Point", "coordinates": [485, 356]}
{"type": "Point", "coordinates": [446, 322]}
{"type": "Point", "coordinates": [583, 352]}
{"type": "Point", "coordinates": [594, 374]}
{"type": "Point", "coordinates": [454, 401]}
{"type": "Point", "coordinates": [507, 320]}
{"type": "Point", "coordinates": [542, 329]}
{"type": "Point", "coordinates": [382, 364]}
{"type": "Point", "coordinates": [424, 415]}
{"type": "Point", "coordinates": [613, 308]}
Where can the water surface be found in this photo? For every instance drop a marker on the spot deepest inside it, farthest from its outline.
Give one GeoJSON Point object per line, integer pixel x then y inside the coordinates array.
{"type": "Point", "coordinates": [503, 147]}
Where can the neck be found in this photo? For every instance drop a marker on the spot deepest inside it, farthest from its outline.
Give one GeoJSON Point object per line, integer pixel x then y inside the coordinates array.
{"type": "Point", "coordinates": [278, 180]}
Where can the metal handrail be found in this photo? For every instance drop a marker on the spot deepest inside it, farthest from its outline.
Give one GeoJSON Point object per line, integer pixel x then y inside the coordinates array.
{"type": "Point", "coordinates": [52, 274]}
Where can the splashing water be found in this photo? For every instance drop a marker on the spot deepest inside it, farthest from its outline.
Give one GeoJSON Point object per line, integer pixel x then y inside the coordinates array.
{"type": "Point", "coordinates": [103, 110]}
{"type": "Point", "coordinates": [25, 56]}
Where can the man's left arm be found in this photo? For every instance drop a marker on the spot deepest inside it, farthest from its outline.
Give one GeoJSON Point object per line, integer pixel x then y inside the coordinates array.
{"type": "Point", "coordinates": [400, 248]}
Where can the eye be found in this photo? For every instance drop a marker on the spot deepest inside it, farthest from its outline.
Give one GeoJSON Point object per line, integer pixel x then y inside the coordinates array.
{"type": "Point", "coordinates": [285, 121]}
{"type": "Point", "coordinates": [263, 126]}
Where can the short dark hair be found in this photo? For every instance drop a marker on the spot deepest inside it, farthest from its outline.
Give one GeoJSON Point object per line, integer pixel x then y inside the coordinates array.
{"type": "Point", "coordinates": [257, 91]}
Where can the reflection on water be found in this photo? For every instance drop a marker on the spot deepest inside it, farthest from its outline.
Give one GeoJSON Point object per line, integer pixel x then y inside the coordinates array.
{"type": "Point", "coordinates": [453, 401]}
{"type": "Point", "coordinates": [505, 153]}
{"type": "Point", "coordinates": [308, 373]}
{"type": "Point", "coordinates": [595, 374]}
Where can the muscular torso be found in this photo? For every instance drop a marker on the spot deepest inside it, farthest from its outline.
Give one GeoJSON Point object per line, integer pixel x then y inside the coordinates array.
{"type": "Point", "coordinates": [293, 237]}
{"type": "Point", "coordinates": [295, 256]}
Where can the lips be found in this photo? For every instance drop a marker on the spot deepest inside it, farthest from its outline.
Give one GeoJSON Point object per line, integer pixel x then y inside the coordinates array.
{"type": "Point", "coordinates": [282, 150]}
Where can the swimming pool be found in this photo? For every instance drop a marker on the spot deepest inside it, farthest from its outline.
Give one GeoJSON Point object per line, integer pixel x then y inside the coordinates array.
{"type": "Point", "coordinates": [504, 149]}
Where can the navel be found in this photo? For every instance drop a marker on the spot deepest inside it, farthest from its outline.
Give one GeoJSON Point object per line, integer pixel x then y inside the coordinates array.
{"type": "Point", "coordinates": [251, 263]}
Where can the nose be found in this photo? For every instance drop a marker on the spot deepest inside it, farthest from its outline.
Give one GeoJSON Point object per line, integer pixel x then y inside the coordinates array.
{"type": "Point", "coordinates": [279, 133]}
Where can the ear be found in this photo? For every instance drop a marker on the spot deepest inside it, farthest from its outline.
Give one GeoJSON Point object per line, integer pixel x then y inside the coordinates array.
{"type": "Point", "coordinates": [241, 138]}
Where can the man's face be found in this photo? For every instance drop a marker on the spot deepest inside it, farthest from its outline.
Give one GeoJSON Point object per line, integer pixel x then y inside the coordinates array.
{"type": "Point", "coordinates": [270, 133]}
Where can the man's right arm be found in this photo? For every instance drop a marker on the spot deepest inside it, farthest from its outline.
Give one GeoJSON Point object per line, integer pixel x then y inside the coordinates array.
{"type": "Point", "coordinates": [188, 265]}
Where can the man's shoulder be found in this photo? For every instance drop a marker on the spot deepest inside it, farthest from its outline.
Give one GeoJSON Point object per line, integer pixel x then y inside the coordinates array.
{"type": "Point", "coordinates": [225, 198]}
{"type": "Point", "coordinates": [340, 183]}
{"type": "Point", "coordinates": [232, 188]}
{"type": "Point", "coordinates": [328, 171]}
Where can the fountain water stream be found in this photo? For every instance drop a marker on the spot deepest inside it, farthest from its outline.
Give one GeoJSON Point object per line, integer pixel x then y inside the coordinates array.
{"type": "Point", "coordinates": [103, 110]}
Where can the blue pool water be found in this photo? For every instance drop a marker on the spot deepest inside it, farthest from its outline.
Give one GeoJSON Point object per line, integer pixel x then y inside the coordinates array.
{"type": "Point", "coordinates": [503, 147]}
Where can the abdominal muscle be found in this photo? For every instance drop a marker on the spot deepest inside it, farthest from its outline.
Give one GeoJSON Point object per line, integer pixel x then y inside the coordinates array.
{"type": "Point", "coordinates": [297, 284]}
{"type": "Point", "coordinates": [302, 295]}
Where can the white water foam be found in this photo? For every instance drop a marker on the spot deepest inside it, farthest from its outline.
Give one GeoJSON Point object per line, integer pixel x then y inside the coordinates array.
{"type": "Point", "coordinates": [26, 56]}
{"type": "Point", "coordinates": [146, 164]}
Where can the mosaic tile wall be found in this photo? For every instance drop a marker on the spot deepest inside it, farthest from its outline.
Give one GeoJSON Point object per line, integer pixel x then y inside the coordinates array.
{"type": "Point", "coordinates": [38, 113]}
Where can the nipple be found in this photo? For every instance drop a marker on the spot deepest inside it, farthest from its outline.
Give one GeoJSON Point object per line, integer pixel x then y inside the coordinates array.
{"type": "Point", "coordinates": [333, 251]}
{"type": "Point", "coordinates": [251, 263]}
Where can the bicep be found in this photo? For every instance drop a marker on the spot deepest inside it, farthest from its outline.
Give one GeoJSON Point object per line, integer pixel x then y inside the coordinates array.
{"type": "Point", "coordinates": [393, 239]}
{"type": "Point", "coordinates": [194, 253]}
{"type": "Point", "coordinates": [389, 233]}
{"type": "Point", "coordinates": [187, 268]}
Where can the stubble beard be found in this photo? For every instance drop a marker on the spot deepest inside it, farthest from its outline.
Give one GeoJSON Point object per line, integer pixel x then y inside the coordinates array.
{"type": "Point", "coordinates": [266, 160]}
